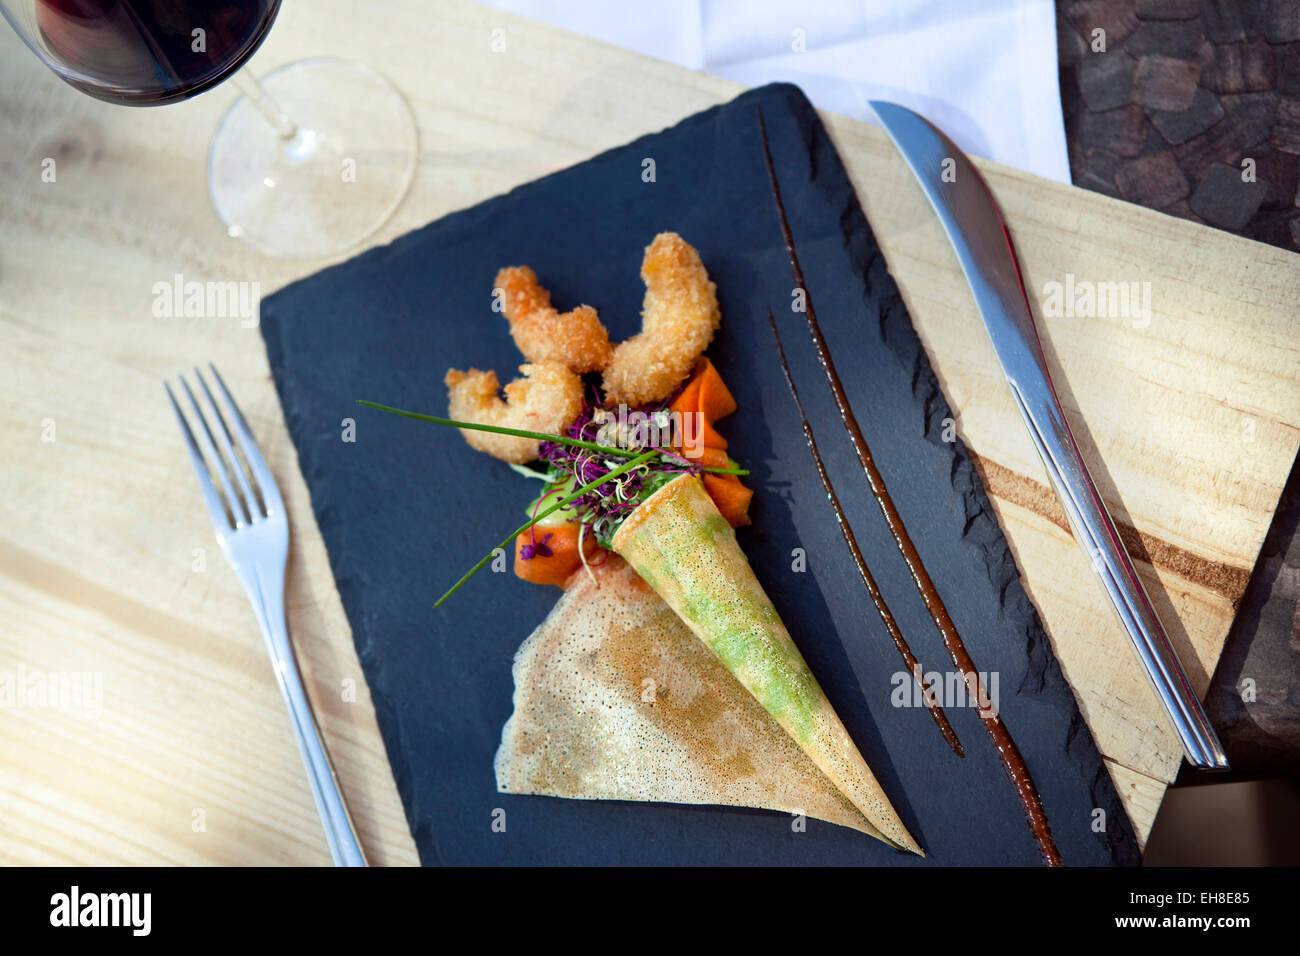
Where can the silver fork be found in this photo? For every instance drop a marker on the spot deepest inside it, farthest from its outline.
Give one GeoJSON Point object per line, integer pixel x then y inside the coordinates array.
{"type": "Point", "coordinates": [253, 532]}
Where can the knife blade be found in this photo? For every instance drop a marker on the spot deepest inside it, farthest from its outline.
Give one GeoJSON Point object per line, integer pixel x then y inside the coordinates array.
{"type": "Point", "coordinates": [970, 216]}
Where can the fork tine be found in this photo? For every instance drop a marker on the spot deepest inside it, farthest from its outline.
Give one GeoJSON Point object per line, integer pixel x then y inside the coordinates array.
{"type": "Point", "coordinates": [238, 510]}
{"type": "Point", "coordinates": [216, 508]}
{"type": "Point", "coordinates": [223, 435]}
{"type": "Point", "coordinates": [261, 473]}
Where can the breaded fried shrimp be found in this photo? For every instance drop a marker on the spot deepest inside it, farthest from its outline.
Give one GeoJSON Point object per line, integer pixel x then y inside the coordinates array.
{"type": "Point", "coordinates": [547, 399]}
{"type": "Point", "coordinates": [577, 338]}
{"type": "Point", "coordinates": [678, 318]}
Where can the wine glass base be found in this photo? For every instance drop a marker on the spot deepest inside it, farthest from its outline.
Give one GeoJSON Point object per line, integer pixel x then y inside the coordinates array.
{"type": "Point", "coordinates": [335, 181]}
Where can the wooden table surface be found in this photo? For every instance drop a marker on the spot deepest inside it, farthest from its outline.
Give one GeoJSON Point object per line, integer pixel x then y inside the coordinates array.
{"type": "Point", "coordinates": [180, 750]}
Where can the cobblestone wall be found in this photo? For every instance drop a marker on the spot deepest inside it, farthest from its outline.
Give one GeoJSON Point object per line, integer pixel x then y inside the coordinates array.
{"type": "Point", "coordinates": [1187, 106]}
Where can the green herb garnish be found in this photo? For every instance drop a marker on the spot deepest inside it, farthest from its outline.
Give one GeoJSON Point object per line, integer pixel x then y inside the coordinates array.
{"type": "Point", "coordinates": [585, 489]}
{"type": "Point", "coordinates": [540, 436]}
{"type": "Point", "coordinates": [626, 485]}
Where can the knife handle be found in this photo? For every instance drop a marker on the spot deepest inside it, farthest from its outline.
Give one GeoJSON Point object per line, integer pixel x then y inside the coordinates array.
{"type": "Point", "coordinates": [1095, 531]}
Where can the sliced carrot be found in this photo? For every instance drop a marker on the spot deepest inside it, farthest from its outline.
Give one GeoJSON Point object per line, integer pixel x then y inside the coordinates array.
{"type": "Point", "coordinates": [731, 497]}
{"type": "Point", "coordinates": [561, 540]}
{"type": "Point", "coordinates": [712, 458]}
{"type": "Point", "coordinates": [688, 400]}
{"type": "Point", "coordinates": [716, 400]}
{"type": "Point", "coordinates": [704, 399]}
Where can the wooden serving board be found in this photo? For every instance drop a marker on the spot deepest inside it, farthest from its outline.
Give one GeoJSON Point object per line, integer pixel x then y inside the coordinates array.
{"type": "Point", "coordinates": [107, 562]}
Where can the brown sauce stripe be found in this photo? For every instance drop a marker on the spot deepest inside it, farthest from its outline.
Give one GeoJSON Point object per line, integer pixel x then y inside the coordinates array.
{"type": "Point", "coordinates": [1226, 580]}
{"type": "Point", "coordinates": [868, 580]}
{"type": "Point", "coordinates": [1008, 752]}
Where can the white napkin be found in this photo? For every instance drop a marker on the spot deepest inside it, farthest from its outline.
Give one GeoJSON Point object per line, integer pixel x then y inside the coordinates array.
{"type": "Point", "coordinates": [984, 71]}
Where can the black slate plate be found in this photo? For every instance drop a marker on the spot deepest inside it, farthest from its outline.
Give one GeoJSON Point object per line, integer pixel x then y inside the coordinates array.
{"type": "Point", "coordinates": [407, 506]}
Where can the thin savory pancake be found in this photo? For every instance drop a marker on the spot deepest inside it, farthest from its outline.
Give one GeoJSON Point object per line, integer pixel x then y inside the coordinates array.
{"type": "Point", "coordinates": [617, 699]}
{"type": "Point", "coordinates": [680, 544]}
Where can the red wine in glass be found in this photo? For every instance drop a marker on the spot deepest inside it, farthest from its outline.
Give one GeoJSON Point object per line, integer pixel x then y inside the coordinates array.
{"type": "Point", "coordinates": [309, 162]}
{"type": "Point", "coordinates": [149, 52]}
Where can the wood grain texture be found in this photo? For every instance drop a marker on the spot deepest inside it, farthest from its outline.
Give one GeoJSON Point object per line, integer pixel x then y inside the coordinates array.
{"type": "Point", "coordinates": [1187, 418]}
{"type": "Point", "coordinates": [99, 528]}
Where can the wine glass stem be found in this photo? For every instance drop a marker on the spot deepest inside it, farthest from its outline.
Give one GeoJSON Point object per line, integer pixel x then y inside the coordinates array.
{"type": "Point", "coordinates": [248, 84]}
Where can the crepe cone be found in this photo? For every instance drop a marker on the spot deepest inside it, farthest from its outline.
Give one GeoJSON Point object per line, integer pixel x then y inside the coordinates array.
{"type": "Point", "coordinates": [680, 544]}
{"type": "Point", "coordinates": [617, 699]}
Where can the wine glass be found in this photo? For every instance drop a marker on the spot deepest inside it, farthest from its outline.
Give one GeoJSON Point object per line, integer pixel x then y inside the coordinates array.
{"type": "Point", "coordinates": [308, 162]}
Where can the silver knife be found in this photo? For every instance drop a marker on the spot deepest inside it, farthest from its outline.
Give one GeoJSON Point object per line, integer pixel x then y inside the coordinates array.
{"type": "Point", "coordinates": [983, 243]}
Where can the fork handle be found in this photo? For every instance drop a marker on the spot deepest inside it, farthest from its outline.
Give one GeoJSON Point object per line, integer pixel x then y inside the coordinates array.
{"type": "Point", "coordinates": [340, 832]}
